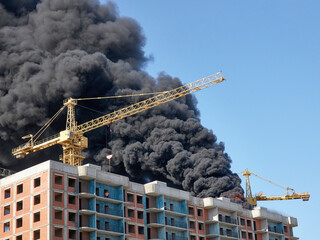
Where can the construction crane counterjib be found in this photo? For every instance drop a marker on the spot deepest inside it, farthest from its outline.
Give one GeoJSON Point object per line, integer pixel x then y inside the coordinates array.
{"type": "Point", "coordinates": [72, 139]}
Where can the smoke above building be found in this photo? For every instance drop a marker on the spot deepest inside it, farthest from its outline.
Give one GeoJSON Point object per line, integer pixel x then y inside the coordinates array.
{"type": "Point", "coordinates": [54, 49]}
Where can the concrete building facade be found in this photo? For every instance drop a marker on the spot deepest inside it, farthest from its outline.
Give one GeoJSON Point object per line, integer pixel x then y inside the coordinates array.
{"type": "Point", "coordinates": [57, 201]}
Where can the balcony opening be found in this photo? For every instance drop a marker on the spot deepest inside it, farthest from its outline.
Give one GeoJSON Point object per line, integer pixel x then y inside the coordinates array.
{"type": "Point", "coordinates": [72, 217]}
{"type": "Point", "coordinates": [190, 211]}
{"type": "Point", "coordinates": [173, 236]}
{"type": "Point", "coordinates": [20, 188]}
{"type": "Point", "coordinates": [36, 217]}
{"type": "Point", "coordinates": [7, 193]}
{"type": "Point", "coordinates": [191, 224]}
{"type": "Point", "coordinates": [172, 221]}
{"type": "Point", "coordinates": [6, 227]}
{"type": "Point", "coordinates": [72, 234]}
{"type": "Point", "coordinates": [19, 205]}
{"type": "Point", "coordinates": [58, 197]}
{"type": "Point", "coordinates": [249, 223]}
{"type": "Point", "coordinates": [58, 214]}
{"type": "Point", "coordinates": [58, 179]}
{"type": "Point", "coordinates": [242, 222]}
{"type": "Point", "coordinates": [97, 207]}
{"type": "Point", "coordinates": [7, 210]}
{"type": "Point", "coordinates": [98, 224]}
{"type": "Point", "coordinates": [19, 222]}
{"type": "Point", "coordinates": [36, 200]}
{"type": "Point", "coordinates": [106, 209]}
{"type": "Point", "coordinates": [37, 182]}
{"type": "Point", "coordinates": [131, 228]}
{"type": "Point", "coordinates": [147, 202]}
{"type": "Point", "coordinates": [71, 182]}
{"type": "Point", "coordinates": [200, 226]}
{"type": "Point", "coordinates": [141, 230]}
{"type": "Point", "coordinates": [106, 193]}
{"type": "Point", "coordinates": [129, 197]}
{"type": "Point", "coordinates": [130, 213]}
{"type": "Point", "coordinates": [139, 199]}
{"type": "Point", "coordinates": [72, 199]}
{"type": "Point", "coordinates": [107, 226]}
{"type": "Point", "coordinates": [36, 234]}
{"type": "Point", "coordinates": [58, 232]}
{"type": "Point", "coordinates": [140, 215]}
{"type": "Point", "coordinates": [171, 207]}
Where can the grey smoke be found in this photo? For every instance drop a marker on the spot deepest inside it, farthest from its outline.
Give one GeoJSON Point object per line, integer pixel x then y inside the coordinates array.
{"type": "Point", "coordinates": [54, 49]}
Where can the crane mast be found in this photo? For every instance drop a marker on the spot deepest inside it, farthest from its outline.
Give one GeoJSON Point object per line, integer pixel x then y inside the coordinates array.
{"type": "Point", "coordinates": [72, 140]}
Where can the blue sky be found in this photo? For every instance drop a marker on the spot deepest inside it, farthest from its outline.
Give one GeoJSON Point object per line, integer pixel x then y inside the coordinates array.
{"type": "Point", "coordinates": [267, 112]}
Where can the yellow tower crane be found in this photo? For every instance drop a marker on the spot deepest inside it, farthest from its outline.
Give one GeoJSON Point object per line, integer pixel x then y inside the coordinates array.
{"type": "Point", "coordinates": [72, 139]}
{"type": "Point", "coordinates": [291, 194]}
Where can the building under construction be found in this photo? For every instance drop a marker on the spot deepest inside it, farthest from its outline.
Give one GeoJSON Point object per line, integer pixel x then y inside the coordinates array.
{"type": "Point", "coordinates": [53, 200]}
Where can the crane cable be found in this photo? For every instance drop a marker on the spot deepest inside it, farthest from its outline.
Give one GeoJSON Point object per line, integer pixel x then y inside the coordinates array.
{"type": "Point", "coordinates": [279, 185]}
{"type": "Point", "coordinates": [287, 188]}
{"type": "Point", "coordinates": [47, 124]}
{"type": "Point", "coordinates": [44, 127]}
{"type": "Point", "coordinates": [90, 109]}
{"type": "Point", "coordinates": [120, 96]}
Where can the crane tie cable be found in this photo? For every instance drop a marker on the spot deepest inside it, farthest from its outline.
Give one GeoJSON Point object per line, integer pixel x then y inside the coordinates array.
{"type": "Point", "coordinates": [120, 96]}
{"type": "Point", "coordinates": [91, 109]}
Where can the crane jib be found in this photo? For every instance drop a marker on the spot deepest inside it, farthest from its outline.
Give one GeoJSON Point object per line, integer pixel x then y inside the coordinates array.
{"type": "Point", "coordinates": [72, 138]}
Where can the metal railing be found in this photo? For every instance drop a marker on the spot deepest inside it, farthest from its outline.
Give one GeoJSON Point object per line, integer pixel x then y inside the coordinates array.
{"type": "Point", "coordinates": [110, 227]}
{"type": "Point", "coordinates": [155, 221]}
{"type": "Point", "coordinates": [176, 238]}
{"type": "Point", "coordinates": [175, 223]}
{"type": "Point", "coordinates": [110, 211]}
{"type": "Point", "coordinates": [224, 232]}
{"type": "Point", "coordinates": [171, 209]}
{"type": "Point", "coordinates": [28, 144]}
{"type": "Point", "coordinates": [275, 230]}
{"type": "Point", "coordinates": [228, 220]}
{"type": "Point", "coordinates": [112, 195]}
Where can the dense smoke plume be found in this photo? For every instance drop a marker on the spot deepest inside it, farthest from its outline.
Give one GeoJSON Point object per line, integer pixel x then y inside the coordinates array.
{"type": "Point", "coordinates": [54, 49]}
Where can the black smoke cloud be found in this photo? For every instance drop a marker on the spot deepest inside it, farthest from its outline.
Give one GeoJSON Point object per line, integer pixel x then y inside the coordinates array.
{"type": "Point", "coordinates": [54, 49]}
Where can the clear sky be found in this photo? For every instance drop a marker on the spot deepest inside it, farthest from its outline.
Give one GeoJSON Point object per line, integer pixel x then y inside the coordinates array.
{"type": "Point", "coordinates": [268, 111]}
